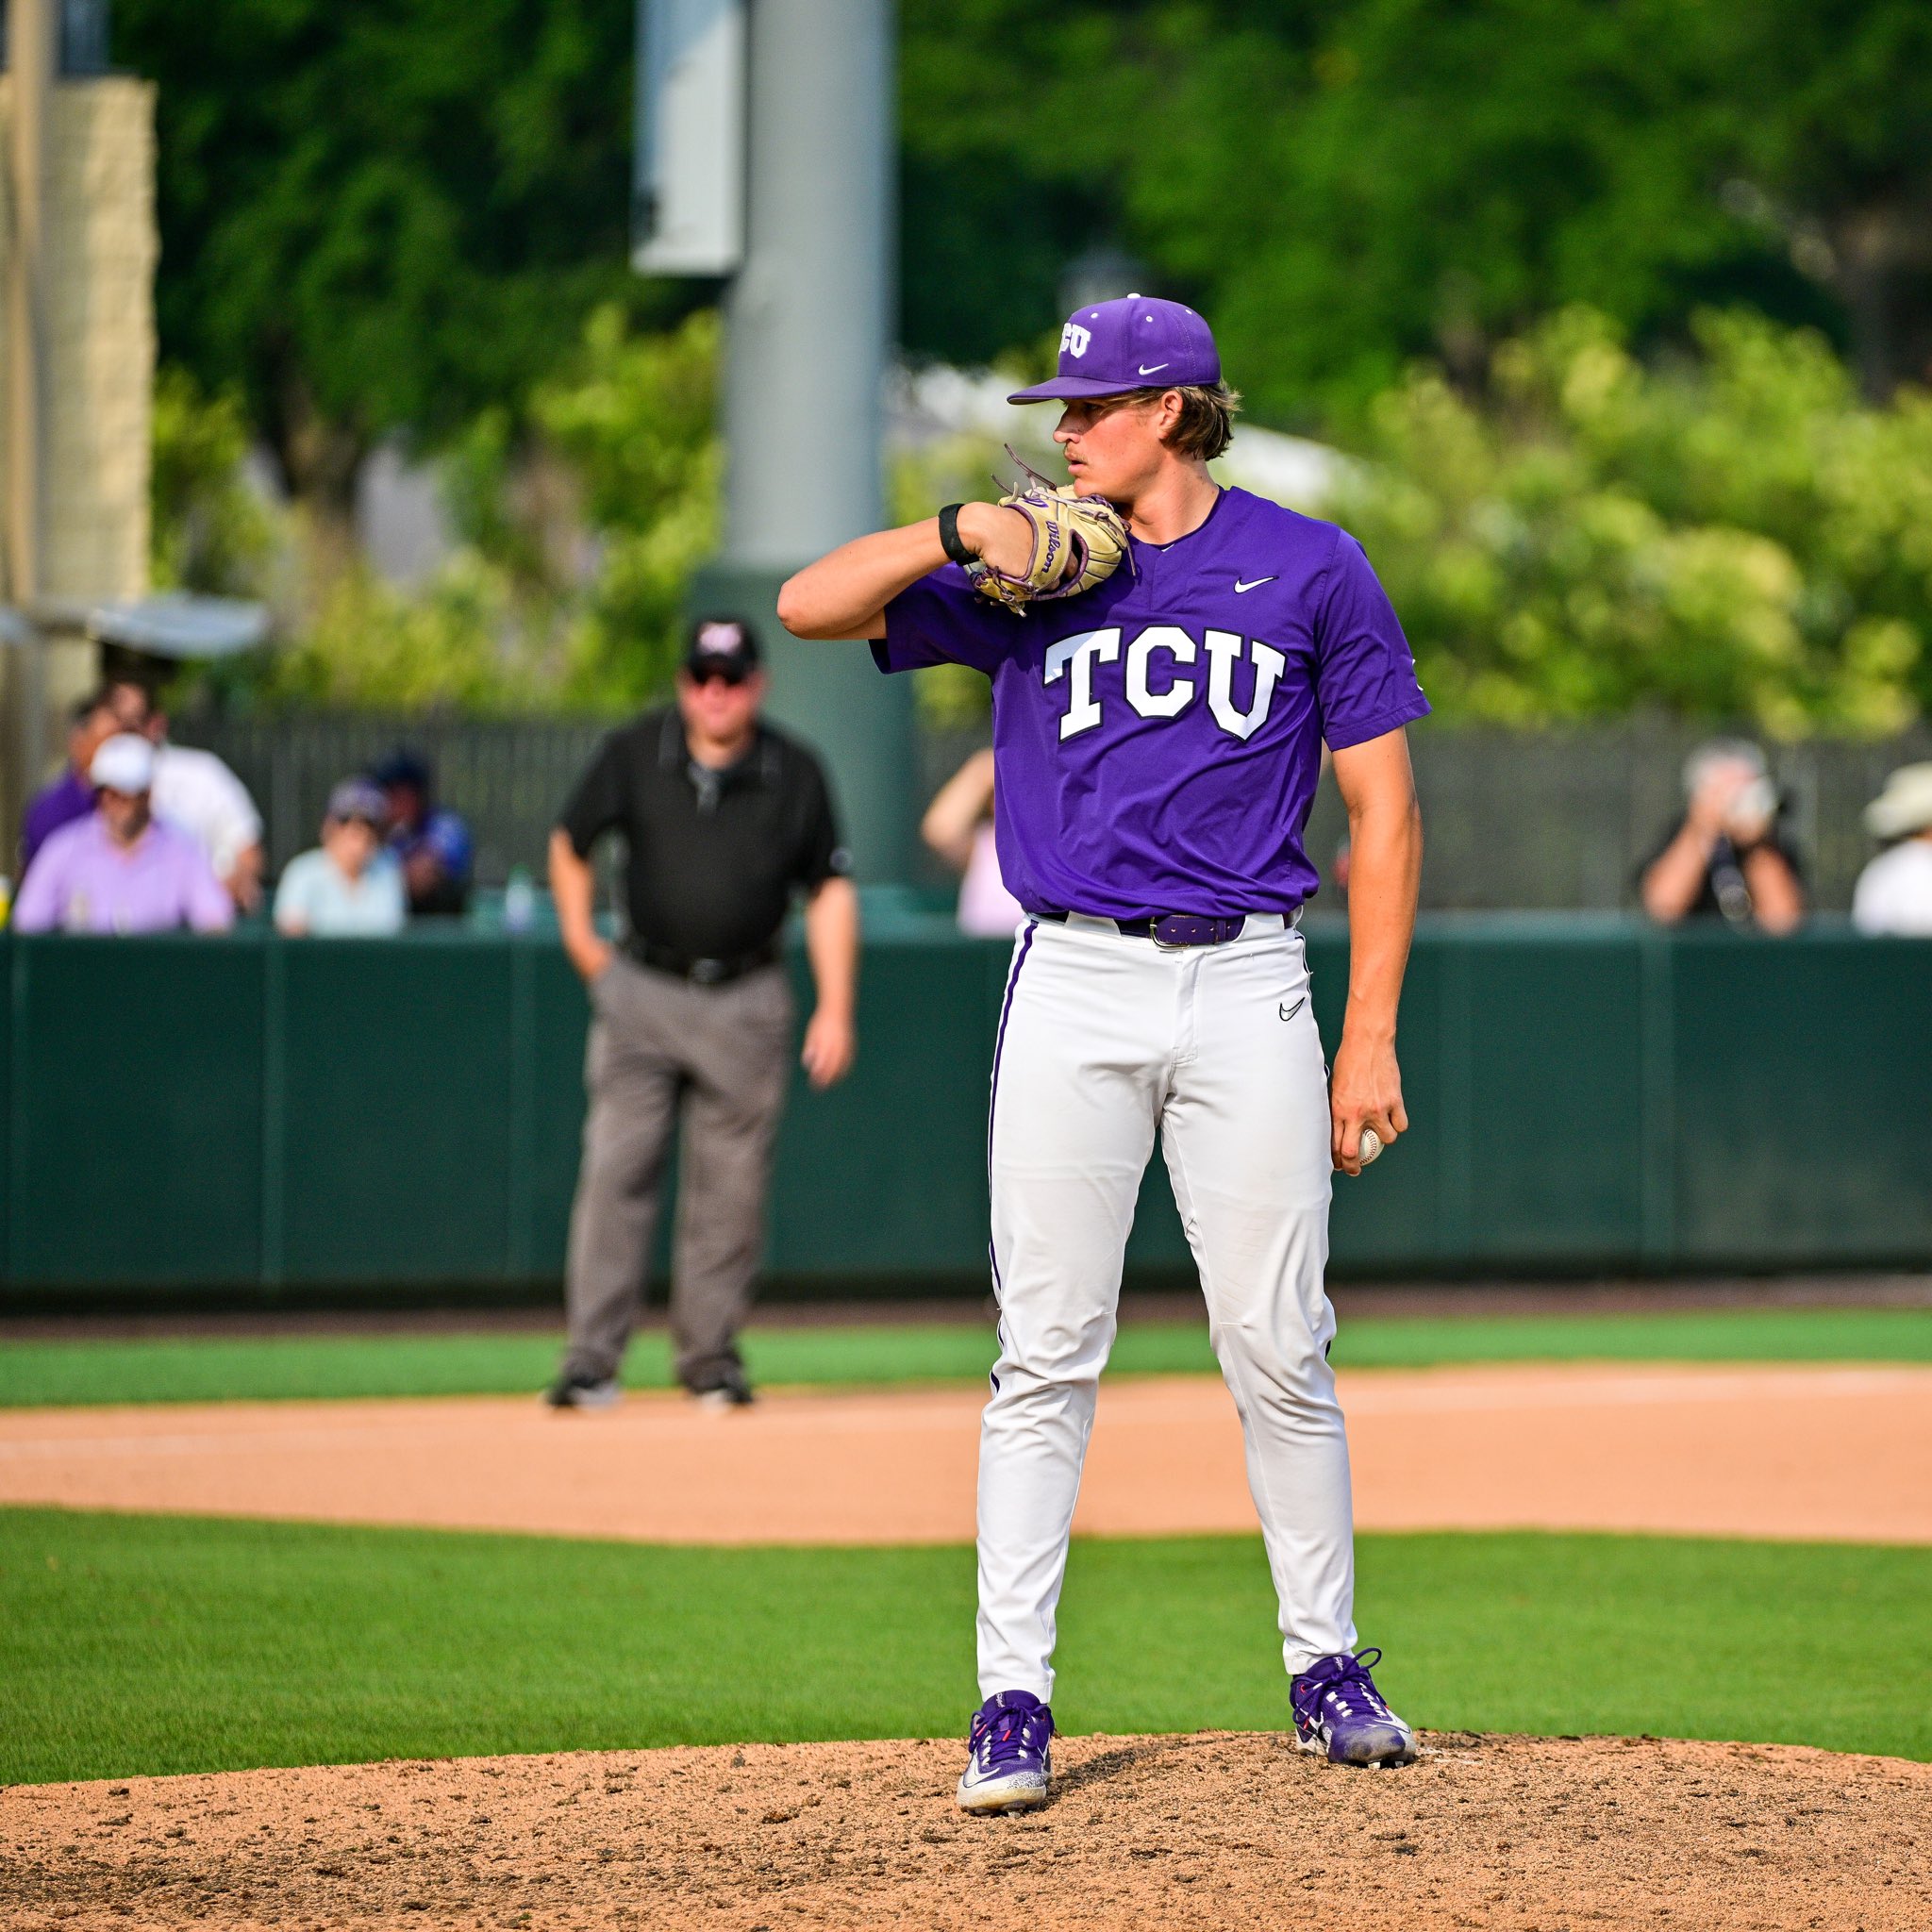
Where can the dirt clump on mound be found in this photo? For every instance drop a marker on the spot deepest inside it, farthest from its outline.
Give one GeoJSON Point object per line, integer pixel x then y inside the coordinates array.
{"type": "Point", "coordinates": [1212, 1831]}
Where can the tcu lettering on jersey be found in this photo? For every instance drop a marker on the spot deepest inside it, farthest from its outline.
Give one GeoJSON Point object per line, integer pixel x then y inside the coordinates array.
{"type": "Point", "coordinates": [1157, 679]}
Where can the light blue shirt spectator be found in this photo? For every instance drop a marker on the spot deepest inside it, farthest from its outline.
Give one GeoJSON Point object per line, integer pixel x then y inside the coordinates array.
{"type": "Point", "coordinates": [349, 886]}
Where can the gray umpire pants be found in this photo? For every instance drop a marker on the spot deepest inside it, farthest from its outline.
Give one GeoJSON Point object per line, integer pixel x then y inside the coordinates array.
{"type": "Point", "coordinates": [720, 1057]}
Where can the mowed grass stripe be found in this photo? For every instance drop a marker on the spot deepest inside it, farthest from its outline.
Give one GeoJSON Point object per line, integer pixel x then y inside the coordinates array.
{"type": "Point", "coordinates": [269, 1368]}
{"type": "Point", "coordinates": [146, 1644]}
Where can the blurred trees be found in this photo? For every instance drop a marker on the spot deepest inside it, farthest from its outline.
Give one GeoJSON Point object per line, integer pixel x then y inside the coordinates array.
{"type": "Point", "coordinates": [382, 218]}
{"type": "Point", "coordinates": [578, 531]}
{"type": "Point", "coordinates": [208, 531]}
{"type": "Point", "coordinates": [409, 218]}
{"type": "Point", "coordinates": [1343, 187]}
{"type": "Point", "coordinates": [1729, 536]}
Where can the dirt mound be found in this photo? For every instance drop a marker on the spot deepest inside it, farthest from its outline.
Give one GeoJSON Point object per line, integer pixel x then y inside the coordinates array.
{"type": "Point", "coordinates": [1218, 1830]}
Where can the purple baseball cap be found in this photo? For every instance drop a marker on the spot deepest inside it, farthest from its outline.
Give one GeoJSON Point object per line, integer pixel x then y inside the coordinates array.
{"type": "Point", "coordinates": [1135, 342]}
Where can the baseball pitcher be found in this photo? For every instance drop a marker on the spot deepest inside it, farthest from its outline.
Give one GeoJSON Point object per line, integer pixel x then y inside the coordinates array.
{"type": "Point", "coordinates": [1168, 658]}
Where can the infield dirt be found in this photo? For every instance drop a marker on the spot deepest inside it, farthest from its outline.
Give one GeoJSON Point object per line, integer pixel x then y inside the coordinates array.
{"type": "Point", "coordinates": [1207, 1832]}
{"type": "Point", "coordinates": [1836, 1452]}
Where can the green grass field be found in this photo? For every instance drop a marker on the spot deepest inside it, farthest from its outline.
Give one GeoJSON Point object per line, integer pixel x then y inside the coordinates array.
{"type": "Point", "coordinates": [140, 1644]}
{"type": "Point", "coordinates": [272, 1368]}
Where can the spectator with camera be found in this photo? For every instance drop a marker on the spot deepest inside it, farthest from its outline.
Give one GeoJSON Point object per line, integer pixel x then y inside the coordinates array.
{"type": "Point", "coordinates": [432, 843]}
{"type": "Point", "coordinates": [1727, 859]}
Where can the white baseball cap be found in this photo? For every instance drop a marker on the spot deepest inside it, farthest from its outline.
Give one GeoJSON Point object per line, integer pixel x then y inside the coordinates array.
{"type": "Point", "coordinates": [124, 763]}
{"type": "Point", "coordinates": [1904, 806]}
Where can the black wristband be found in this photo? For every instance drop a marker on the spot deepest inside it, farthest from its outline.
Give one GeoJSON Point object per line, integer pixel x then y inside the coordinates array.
{"type": "Point", "coordinates": [949, 535]}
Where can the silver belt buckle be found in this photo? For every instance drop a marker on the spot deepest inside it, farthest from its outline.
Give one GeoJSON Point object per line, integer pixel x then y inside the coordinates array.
{"type": "Point", "coordinates": [707, 971]}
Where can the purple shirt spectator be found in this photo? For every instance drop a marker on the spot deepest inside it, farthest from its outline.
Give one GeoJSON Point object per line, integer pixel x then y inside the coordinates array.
{"type": "Point", "coordinates": [69, 797]}
{"type": "Point", "coordinates": [85, 882]}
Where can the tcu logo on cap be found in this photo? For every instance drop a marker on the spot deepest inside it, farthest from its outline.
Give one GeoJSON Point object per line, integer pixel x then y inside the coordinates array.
{"type": "Point", "coordinates": [1074, 338]}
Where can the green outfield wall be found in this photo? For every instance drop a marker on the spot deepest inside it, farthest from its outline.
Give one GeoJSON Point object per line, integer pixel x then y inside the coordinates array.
{"type": "Point", "coordinates": [256, 1116]}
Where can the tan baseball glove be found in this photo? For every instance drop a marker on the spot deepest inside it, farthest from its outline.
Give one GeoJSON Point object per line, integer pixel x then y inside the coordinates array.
{"type": "Point", "coordinates": [1077, 541]}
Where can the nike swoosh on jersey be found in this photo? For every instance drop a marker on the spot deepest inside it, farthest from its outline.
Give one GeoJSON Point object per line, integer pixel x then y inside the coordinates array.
{"type": "Point", "coordinates": [1289, 1012]}
{"type": "Point", "coordinates": [1152, 367]}
{"type": "Point", "coordinates": [1251, 584]}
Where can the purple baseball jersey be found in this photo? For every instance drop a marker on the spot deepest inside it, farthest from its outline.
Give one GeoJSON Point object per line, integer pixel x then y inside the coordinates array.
{"type": "Point", "coordinates": [1157, 739]}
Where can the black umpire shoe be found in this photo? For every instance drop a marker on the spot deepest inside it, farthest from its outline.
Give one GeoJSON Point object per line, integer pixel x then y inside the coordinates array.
{"type": "Point", "coordinates": [729, 1389]}
{"type": "Point", "coordinates": [578, 1390]}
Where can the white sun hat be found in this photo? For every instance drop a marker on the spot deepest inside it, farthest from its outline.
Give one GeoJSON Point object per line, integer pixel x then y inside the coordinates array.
{"type": "Point", "coordinates": [1904, 806]}
{"type": "Point", "coordinates": [124, 763]}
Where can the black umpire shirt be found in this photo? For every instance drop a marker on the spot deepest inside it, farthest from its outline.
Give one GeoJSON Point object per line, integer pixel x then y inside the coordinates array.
{"type": "Point", "coordinates": [715, 855]}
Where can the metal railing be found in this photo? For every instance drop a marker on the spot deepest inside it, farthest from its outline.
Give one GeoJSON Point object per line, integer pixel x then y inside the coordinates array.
{"type": "Point", "coordinates": [1516, 821]}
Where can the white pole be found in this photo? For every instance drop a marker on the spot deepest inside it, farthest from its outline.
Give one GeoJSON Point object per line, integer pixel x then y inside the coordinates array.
{"type": "Point", "coordinates": [808, 320]}
{"type": "Point", "coordinates": [808, 315]}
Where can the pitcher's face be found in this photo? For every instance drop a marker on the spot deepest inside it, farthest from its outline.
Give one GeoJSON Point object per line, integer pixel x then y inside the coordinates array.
{"type": "Point", "coordinates": [1113, 443]}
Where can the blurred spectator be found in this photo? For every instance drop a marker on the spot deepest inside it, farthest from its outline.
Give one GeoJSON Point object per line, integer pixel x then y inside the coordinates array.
{"type": "Point", "coordinates": [131, 701]}
{"type": "Point", "coordinates": [69, 796]}
{"type": "Point", "coordinates": [350, 887]}
{"type": "Point", "coordinates": [1895, 892]}
{"type": "Point", "coordinates": [431, 842]}
{"type": "Point", "coordinates": [121, 869]}
{"type": "Point", "coordinates": [959, 826]}
{"type": "Point", "coordinates": [1727, 859]}
{"type": "Point", "coordinates": [726, 820]}
{"type": "Point", "coordinates": [195, 790]}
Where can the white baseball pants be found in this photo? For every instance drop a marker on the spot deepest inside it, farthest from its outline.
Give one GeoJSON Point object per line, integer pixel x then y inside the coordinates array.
{"type": "Point", "coordinates": [1104, 1039]}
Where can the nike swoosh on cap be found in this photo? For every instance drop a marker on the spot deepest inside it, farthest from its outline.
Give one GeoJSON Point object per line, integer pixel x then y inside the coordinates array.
{"type": "Point", "coordinates": [1251, 584]}
{"type": "Point", "coordinates": [1152, 367]}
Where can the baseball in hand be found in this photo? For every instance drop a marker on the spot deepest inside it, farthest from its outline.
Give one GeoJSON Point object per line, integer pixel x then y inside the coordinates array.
{"type": "Point", "coordinates": [1371, 1145]}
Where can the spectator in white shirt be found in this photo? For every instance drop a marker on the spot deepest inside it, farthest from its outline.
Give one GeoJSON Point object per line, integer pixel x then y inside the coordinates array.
{"type": "Point", "coordinates": [1895, 892]}
{"type": "Point", "coordinates": [349, 886]}
{"type": "Point", "coordinates": [197, 791]}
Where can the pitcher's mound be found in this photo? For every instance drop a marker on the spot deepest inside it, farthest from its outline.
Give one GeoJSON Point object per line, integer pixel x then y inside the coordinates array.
{"type": "Point", "coordinates": [1204, 1832]}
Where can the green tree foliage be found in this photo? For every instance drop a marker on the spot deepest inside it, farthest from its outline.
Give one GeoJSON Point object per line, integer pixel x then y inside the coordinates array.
{"type": "Point", "coordinates": [1342, 187]}
{"type": "Point", "coordinates": [208, 530]}
{"type": "Point", "coordinates": [1732, 536]}
{"type": "Point", "coordinates": [381, 218]}
{"type": "Point", "coordinates": [579, 536]}
{"type": "Point", "coordinates": [632, 417]}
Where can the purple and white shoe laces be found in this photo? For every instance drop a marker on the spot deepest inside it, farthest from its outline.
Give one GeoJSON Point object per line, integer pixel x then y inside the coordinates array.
{"type": "Point", "coordinates": [1335, 1702]}
{"type": "Point", "coordinates": [1011, 1733]}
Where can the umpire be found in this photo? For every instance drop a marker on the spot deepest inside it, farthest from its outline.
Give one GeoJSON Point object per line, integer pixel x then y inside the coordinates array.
{"type": "Point", "coordinates": [725, 817]}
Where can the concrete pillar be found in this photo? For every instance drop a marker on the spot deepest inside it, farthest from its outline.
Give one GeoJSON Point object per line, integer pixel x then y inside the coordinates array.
{"type": "Point", "coordinates": [809, 321]}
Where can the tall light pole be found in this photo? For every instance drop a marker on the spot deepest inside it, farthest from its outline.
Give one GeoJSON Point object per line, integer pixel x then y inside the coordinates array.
{"type": "Point", "coordinates": [808, 320]}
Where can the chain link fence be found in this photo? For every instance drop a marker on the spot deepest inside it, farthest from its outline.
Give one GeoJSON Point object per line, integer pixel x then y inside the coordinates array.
{"type": "Point", "coordinates": [1515, 821]}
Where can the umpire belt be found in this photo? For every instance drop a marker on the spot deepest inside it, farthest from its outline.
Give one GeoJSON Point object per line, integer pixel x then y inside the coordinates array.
{"type": "Point", "coordinates": [1177, 929]}
{"type": "Point", "coordinates": [701, 972]}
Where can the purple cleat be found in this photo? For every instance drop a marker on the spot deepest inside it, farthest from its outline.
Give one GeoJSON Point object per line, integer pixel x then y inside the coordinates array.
{"type": "Point", "coordinates": [1009, 1752]}
{"type": "Point", "coordinates": [1339, 1715]}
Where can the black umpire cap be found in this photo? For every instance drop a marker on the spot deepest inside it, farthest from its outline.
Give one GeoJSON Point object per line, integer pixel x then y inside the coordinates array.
{"type": "Point", "coordinates": [721, 647]}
